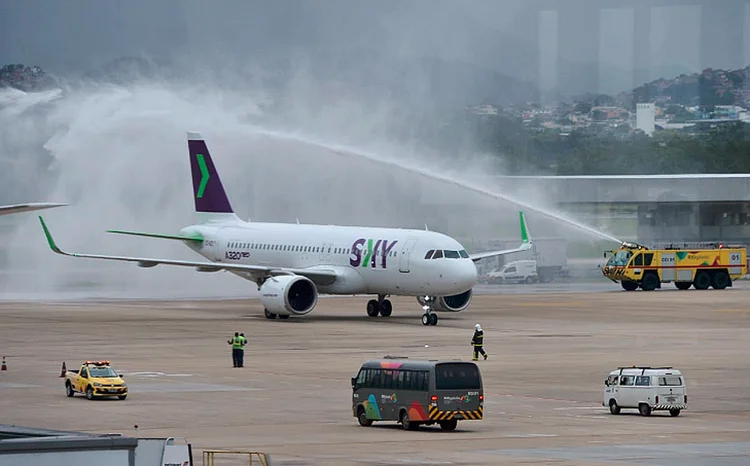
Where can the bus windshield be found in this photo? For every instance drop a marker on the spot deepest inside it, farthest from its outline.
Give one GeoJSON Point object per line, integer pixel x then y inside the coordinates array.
{"type": "Point", "coordinates": [457, 376]}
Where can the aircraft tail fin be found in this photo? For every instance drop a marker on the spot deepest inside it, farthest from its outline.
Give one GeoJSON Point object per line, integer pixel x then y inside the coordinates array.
{"type": "Point", "coordinates": [525, 238]}
{"type": "Point", "coordinates": [211, 201]}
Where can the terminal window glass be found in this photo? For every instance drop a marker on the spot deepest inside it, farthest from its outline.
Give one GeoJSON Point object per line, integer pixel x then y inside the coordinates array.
{"type": "Point", "coordinates": [457, 377]}
{"type": "Point", "coordinates": [670, 381]}
{"type": "Point", "coordinates": [642, 381]}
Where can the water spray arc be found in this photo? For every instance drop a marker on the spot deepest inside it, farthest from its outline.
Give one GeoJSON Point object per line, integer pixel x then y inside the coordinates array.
{"type": "Point", "coordinates": [348, 151]}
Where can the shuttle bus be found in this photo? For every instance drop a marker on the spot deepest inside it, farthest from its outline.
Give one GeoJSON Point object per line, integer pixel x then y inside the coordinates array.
{"type": "Point", "coordinates": [413, 392]}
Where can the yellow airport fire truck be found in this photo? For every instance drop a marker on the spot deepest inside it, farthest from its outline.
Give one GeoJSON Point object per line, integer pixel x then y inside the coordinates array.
{"type": "Point", "coordinates": [714, 266]}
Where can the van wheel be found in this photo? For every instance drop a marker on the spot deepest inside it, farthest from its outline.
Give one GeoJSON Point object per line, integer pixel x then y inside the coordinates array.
{"type": "Point", "coordinates": [613, 408]}
{"type": "Point", "coordinates": [69, 390]}
{"type": "Point", "coordinates": [449, 425]}
{"type": "Point", "coordinates": [362, 417]}
{"type": "Point", "coordinates": [650, 282]}
{"type": "Point", "coordinates": [721, 280]}
{"type": "Point", "coordinates": [89, 393]}
{"type": "Point", "coordinates": [644, 409]}
{"type": "Point", "coordinates": [529, 280]}
{"type": "Point", "coordinates": [702, 280]}
{"type": "Point", "coordinates": [406, 423]}
{"type": "Point", "coordinates": [674, 412]}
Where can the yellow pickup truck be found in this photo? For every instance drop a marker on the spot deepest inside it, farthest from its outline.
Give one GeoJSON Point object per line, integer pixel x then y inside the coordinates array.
{"type": "Point", "coordinates": [97, 379]}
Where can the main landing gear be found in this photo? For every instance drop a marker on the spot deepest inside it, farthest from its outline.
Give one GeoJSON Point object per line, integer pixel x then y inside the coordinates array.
{"type": "Point", "coordinates": [380, 306]}
{"type": "Point", "coordinates": [429, 317]}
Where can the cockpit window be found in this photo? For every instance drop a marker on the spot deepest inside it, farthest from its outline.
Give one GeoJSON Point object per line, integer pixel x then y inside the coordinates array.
{"type": "Point", "coordinates": [451, 254]}
{"type": "Point", "coordinates": [463, 253]}
{"type": "Point", "coordinates": [429, 254]}
{"type": "Point", "coordinates": [438, 254]}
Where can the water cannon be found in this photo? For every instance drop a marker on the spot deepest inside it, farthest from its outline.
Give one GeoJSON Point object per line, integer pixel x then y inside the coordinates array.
{"type": "Point", "coordinates": [629, 245]}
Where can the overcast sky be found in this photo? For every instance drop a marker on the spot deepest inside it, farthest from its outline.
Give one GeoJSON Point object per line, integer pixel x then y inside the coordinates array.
{"type": "Point", "coordinates": [78, 35]}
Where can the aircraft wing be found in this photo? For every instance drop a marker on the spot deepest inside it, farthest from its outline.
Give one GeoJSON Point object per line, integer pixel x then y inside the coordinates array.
{"type": "Point", "coordinates": [320, 276]}
{"type": "Point", "coordinates": [29, 207]}
{"type": "Point", "coordinates": [526, 243]}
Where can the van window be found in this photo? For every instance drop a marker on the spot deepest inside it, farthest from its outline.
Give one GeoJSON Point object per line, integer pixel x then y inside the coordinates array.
{"type": "Point", "coordinates": [457, 376]}
{"type": "Point", "coordinates": [670, 381]}
{"type": "Point", "coordinates": [510, 270]}
{"type": "Point", "coordinates": [642, 381]}
{"type": "Point", "coordinates": [627, 380]}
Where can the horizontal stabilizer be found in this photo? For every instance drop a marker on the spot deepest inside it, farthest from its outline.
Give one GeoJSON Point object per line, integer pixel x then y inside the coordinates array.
{"type": "Point", "coordinates": [28, 207]}
{"type": "Point", "coordinates": [158, 235]}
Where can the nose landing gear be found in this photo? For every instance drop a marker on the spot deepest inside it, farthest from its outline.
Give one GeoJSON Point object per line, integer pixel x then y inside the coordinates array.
{"type": "Point", "coordinates": [429, 317]}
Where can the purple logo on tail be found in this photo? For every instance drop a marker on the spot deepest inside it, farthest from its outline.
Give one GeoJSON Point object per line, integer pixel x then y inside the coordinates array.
{"type": "Point", "coordinates": [365, 253]}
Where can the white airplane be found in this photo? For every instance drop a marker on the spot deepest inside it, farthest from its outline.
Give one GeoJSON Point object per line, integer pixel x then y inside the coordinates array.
{"type": "Point", "coordinates": [292, 263]}
{"type": "Point", "coordinates": [29, 207]}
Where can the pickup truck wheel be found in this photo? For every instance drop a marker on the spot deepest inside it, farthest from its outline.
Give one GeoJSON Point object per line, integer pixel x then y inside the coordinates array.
{"type": "Point", "coordinates": [69, 390]}
{"type": "Point", "coordinates": [89, 393]}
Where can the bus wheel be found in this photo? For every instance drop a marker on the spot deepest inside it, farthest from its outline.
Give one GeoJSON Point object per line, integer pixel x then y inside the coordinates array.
{"type": "Point", "coordinates": [406, 423]}
{"type": "Point", "coordinates": [362, 417]}
{"type": "Point", "coordinates": [721, 280]}
{"type": "Point", "coordinates": [449, 425]}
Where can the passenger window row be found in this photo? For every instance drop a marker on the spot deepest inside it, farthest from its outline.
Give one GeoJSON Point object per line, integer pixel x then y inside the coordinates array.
{"type": "Point", "coordinates": [297, 248]}
{"type": "Point", "coordinates": [388, 379]}
{"type": "Point", "coordinates": [440, 253]}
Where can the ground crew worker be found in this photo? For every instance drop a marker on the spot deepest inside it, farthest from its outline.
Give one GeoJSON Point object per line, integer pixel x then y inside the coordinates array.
{"type": "Point", "coordinates": [236, 343]}
{"type": "Point", "coordinates": [243, 341]}
{"type": "Point", "coordinates": [477, 341]}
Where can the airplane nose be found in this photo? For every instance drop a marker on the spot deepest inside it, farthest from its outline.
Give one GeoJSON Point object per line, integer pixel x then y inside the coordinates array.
{"type": "Point", "coordinates": [469, 274]}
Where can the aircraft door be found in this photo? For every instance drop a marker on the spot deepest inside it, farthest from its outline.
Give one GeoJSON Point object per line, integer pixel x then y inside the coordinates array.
{"type": "Point", "coordinates": [403, 258]}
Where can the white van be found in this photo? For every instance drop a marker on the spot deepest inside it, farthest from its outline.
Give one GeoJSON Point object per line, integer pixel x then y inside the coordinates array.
{"type": "Point", "coordinates": [516, 271]}
{"type": "Point", "coordinates": [646, 389]}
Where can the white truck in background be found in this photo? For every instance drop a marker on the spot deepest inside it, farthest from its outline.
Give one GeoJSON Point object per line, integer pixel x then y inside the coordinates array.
{"type": "Point", "coordinates": [549, 254]}
{"type": "Point", "coordinates": [515, 272]}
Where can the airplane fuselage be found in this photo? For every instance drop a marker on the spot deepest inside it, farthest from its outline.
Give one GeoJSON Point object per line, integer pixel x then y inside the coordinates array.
{"type": "Point", "coordinates": [384, 261]}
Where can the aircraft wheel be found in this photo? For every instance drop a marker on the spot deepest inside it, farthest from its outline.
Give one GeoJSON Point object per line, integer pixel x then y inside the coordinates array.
{"type": "Point", "coordinates": [386, 308]}
{"type": "Point", "coordinates": [373, 308]}
{"type": "Point", "coordinates": [433, 319]}
{"type": "Point", "coordinates": [269, 315]}
{"type": "Point", "coordinates": [425, 319]}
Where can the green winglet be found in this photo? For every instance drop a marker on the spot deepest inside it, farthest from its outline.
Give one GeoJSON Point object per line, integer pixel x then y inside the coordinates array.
{"type": "Point", "coordinates": [197, 238]}
{"type": "Point", "coordinates": [524, 228]}
{"type": "Point", "coordinates": [50, 241]}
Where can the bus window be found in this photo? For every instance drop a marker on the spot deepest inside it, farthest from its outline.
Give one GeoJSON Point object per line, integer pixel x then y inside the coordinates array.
{"type": "Point", "coordinates": [457, 377]}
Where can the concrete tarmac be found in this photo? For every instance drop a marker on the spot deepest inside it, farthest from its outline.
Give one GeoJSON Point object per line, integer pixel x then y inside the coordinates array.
{"type": "Point", "coordinates": [549, 355]}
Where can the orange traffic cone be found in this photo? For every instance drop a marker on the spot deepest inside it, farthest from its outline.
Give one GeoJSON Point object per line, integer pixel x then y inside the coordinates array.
{"type": "Point", "coordinates": [4, 368]}
{"type": "Point", "coordinates": [62, 372]}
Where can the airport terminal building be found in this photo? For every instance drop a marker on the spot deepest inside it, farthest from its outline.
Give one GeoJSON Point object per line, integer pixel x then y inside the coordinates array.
{"type": "Point", "coordinates": [667, 208]}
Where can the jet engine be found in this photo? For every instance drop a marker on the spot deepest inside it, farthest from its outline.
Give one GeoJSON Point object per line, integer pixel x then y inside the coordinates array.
{"type": "Point", "coordinates": [455, 303]}
{"type": "Point", "coordinates": [289, 295]}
